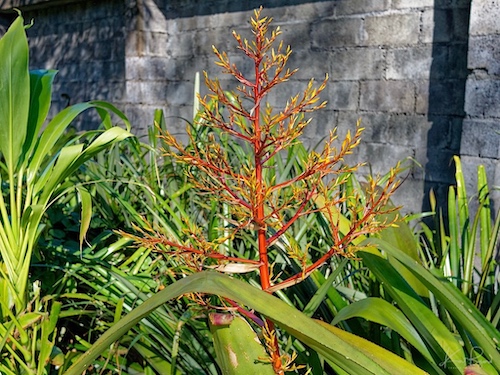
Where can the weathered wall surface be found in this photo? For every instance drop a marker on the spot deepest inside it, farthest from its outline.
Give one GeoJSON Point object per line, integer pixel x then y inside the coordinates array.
{"type": "Point", "coordinates": [481, 133]}
{"type": "Point", "coordinates": [399, 65]}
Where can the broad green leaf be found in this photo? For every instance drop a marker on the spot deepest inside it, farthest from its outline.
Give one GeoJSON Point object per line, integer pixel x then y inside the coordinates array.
{"type": "Point", "coordinates": [382, 312]}
{"type": "Point", "coordinates": [58, 125]}
{"type": "Point", "coordinates": [391, 362]}
{"type": "Point", "coordinates": [346, 355]}
{"type": "Point", "coordinates": [14, 91]}
{"type": "Point", "coordinates": [402, 237]}
{"type": "Point", "coordinates": [40, 98]}
{"type": "Point", "coordinates": [65, 161]}
{"type": "Point", "coordinates": [238, 349]}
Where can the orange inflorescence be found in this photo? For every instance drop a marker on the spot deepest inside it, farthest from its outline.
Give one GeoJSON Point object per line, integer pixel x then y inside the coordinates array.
{"type": "Point", "coordinates": [264, 206]}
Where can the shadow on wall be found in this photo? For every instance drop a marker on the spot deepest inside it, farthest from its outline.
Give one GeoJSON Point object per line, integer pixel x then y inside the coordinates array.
{"type": "Point", "coordinates": [181, 8]}
{"type": "Point", "coordinates": [446, 97]}
{"type": "Point", "coordinates": [85, 42]}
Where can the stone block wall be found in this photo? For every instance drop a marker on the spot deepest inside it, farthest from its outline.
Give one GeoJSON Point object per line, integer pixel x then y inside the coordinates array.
{"type": "Point", "coordinates": [481, 133]}
{"type": "Point", "coordinates": [399, 65]}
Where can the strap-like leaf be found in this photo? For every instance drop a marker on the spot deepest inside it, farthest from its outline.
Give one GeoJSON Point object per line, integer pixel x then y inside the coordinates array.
{"type": "Point", "coordinates": [332, 347]}
{"type": "Point", "coordinates": [14, 92]}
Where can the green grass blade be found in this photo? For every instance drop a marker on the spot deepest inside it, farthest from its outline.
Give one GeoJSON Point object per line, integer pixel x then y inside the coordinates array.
{"type": "Point", "coordinates": [321, 293]}
{"type": "Point", "coordinates": [485, 212]}
{"type": "Point", "coordinates": [455, 253]}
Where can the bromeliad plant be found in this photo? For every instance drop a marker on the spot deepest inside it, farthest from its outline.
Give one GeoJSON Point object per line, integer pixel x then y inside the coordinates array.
{"type": "Point", "coordinates": [34, 168]}
{"type": "Point", "coordinates": [257, 201]}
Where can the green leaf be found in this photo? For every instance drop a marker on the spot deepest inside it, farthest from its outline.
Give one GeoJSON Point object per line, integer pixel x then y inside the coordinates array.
{"type": "Point", "coordinates": [57, 126]}
{"type": "Point", "coordinates": [40, 98]}
{"type": "Point", "coordinates": [390, 361]}
{"type": "Point", "coordinates": [86, 202]}
{"type": "Point", "coordinates": [382, 312]}
{"type": "Point", "coordinates": [14, 91]}
{"type": "Point", "coordinates": [431, 329]}
{"type": "Point", "coordinates": [482, 333]}
{"type": "Point", "coordinates": [332, 347]}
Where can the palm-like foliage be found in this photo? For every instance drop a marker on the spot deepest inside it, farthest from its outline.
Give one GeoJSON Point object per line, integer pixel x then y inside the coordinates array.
{"type": "Point", "coordinates": [35, 166]}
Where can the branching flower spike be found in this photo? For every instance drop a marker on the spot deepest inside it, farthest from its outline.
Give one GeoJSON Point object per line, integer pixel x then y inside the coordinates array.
{"type": "Point", "coordinates": [257, 204]}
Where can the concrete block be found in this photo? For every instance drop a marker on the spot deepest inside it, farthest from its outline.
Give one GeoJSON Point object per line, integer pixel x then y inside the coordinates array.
{"type": "Point", "coordinates": [404, 4]}
{"type": "Point", "coordinates": [316, 133]}
{"type": "Point", "coordinates": [357, 63]}
{"type": "Point", "coordinates": [415, 62]}
{"type": "Point", "coordinates": [484, 17]}
{"type": "Point", "coordinates": [444, 134]}
{"type": "Point", "coordinates": [135, 68]}
{"type": "Point", "coordinates": [390, 96]}
{"type": "Point", "coordinates": [134, 92]}
{"type": "Point", "coordinates": [113, 70]}
{"type": "Point", "coordinates": [311, 64]}
{"type": "Point", "coordinates": [180, 45]}
{"type": "Point", "coordinates": [410, 196]}
{"type": "Point", "coordinates": [220, 37]}
{"type": "Point", "coordinates": [483, 98]}
{"type": "Point", "coordinates": [456, 66]}
{"type": "Point", "coordinates": [484, 55]}
{"type": "Point", "coordinates": [179, 93]}
{"type": "Point", "coordinates": [157, 92]}
{"type": "Point", "coordinates": [422, 100]}
{"type": "Point", "coordinates": [445, 25]}
{"type": "Point", "coordinates": [380, 157]}
{"type": "Point", "coordinates": [461, 24]}
{"type": "Point", "coordinates": [331, 33]}
{"type": "Point", "coordinates": [234, 20]}
{"type": "Point", "coordinates": [440, 97]}
{"type": "Point", "coordinates": [278, 97]}
{"type": "Point", "coordinates": [371, 122]}
{"type": "Point", "coordinates": [158, 44]}
{"type": "Point", "coordinates": [436, 26]}
{"type": "Point", "coordinates": [297, 13]}
{"type": "Point", "coordinates": [108, 91]}
{"type": "Point", "coordinates": [343, 95]}
{"type": "Point", "coordinates": [360, 7]}
{"type": "Point", "coordinates": [296, 35]}
{"type": "Point", "coordinates": [135, 44]}
{"type": "Point", "coordinates": [102, 52]}
{"type": "Point", "coordinates": [439, 167]}
{"type": "Point", "coordinates": [393, 29]}
{"type": "Point", "coordinates": [140, 117]}
{"type": "Point", "coordinates": [480, 138]}
{"type": "Point", "coordinates": [404, 130]}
